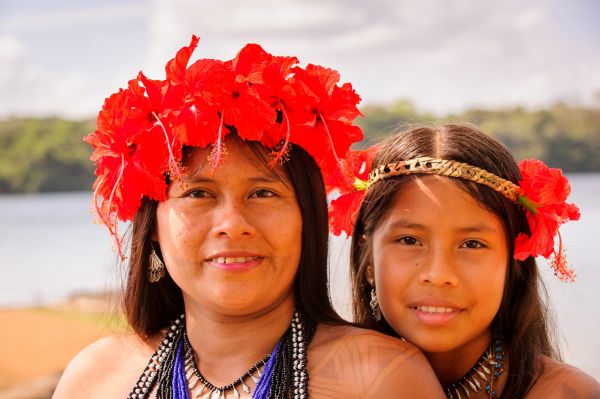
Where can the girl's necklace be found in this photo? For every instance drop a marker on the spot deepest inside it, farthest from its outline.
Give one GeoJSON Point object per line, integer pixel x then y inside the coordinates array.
{"type": "Point", "coordinates": [483, 375]}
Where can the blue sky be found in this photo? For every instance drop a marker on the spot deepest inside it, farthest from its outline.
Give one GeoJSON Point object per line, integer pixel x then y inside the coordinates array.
{"type": "Point", "coordinates": [64, 57]}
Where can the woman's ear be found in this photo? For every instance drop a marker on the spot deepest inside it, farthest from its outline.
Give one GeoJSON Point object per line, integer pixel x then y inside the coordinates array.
{"type": "Point", "coordinates": [154, 236]}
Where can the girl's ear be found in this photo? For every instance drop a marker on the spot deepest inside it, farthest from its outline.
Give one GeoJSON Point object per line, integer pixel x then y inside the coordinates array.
{"type": "Point", "coordinates": [370, 275]}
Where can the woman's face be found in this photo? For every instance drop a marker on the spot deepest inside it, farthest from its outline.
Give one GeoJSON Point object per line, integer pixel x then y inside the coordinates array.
{"type": "Point", "coordinates": [439, 266]}
{"type": "Point", "coordinates": [231, 240]}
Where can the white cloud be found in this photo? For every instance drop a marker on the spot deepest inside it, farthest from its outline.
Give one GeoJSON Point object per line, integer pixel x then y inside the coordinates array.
{"type": "Point", "coordinates": [43, 18]}
{"type": "Point", "coordinates": [29, 89]}
{"type": "Point", "coordinates": [443, 55]}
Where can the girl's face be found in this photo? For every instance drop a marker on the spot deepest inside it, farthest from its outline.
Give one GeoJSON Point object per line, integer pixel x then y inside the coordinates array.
{"type": "Point", "coordinates": [439, 266]}
{"type": "Point", "coordinates": [231, 240]}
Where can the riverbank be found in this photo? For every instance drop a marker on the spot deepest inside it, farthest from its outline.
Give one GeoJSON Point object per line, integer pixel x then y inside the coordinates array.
{"type": "Point", "coordinates": [38, 343]}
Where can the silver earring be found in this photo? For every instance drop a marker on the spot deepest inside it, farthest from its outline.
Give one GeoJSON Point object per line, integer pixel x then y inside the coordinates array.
{"type": "Point", "coordinates": [156, 270]}
{"type": "Point", "coordinates": [374, 304]}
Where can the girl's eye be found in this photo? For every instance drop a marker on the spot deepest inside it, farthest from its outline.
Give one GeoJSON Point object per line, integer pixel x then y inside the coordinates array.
{"type": "Point", "coordinates": [407, 240]}
{"type": "Point", "coordinates": [263, 193]}
{"type": "Point", "coordinates": [473, 244]}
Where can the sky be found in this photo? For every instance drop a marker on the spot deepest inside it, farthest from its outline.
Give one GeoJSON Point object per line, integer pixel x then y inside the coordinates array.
{"type": "Point", "coordinates": [63, 57]}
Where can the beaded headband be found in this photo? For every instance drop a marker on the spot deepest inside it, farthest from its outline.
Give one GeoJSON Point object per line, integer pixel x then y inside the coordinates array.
{"type": "Point", "coordinates": [141, 130]}
{"type": "Point", "coordinates": [542, 192]}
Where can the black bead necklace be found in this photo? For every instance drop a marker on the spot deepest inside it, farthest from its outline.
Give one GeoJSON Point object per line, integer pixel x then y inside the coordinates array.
{"type": "Point", "coordinates": [289, 375]}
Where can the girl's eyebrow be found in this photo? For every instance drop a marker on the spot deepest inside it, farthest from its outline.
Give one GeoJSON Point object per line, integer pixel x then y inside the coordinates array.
{"type": "Point", "coordinates": [479, 228]}
{"type": "Point", "coordinates": [407, 224]}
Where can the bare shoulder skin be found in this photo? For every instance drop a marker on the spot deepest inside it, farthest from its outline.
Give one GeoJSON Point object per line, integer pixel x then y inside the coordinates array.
{"type": "Point", "coordinates": [108, 368]}
{"type": "Point", "coordinates": [559, 380]}
{"type": "Point", "coordinates": [343, 362]}
{"type": "Point", "coordinates": [350, 362]}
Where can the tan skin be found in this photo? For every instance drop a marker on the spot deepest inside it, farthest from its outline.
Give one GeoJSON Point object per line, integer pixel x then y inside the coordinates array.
{"type": "Point", "coordinates": [236, 314]}
{"type": "Point", "coordinates": [439, 265]}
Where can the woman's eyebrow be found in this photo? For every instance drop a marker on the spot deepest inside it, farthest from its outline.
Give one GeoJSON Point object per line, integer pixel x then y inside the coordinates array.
{"type": "Point", "coordinates": [200, 178]}
{"type": "Point", "coordinates": [265, 179]}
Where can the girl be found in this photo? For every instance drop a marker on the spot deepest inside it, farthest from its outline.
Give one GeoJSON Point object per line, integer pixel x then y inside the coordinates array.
{"type": "Point", "coordinates": [443, 255]}
{"type": "Point", "coordinates": [220, 167]}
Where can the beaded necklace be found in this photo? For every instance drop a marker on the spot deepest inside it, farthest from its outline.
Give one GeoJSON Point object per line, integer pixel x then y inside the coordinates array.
{"type": "Point", "coordinates": [173, 372]}
{"type": "Point", "coordinates": [194, 376]}
{"type": "Point", "coordinates": [486, 370]}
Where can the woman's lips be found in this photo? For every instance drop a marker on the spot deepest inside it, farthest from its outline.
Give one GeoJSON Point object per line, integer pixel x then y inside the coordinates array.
{"type": "Point", "coordinates": [235, 263]}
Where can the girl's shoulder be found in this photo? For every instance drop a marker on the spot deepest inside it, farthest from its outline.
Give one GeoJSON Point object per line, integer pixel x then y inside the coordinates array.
{"type": "Point", "coordinates": [108, 367]}
{"type": "Point", "coordinates": [347, 361]}
{"type": "Point", "coordinates": [560, 380]}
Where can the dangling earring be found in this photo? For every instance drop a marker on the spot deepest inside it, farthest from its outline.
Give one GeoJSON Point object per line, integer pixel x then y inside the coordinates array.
{"type": "Point", "coordinates": [374, 304]}
{"type": "Point", "coordinates": [156, 270]}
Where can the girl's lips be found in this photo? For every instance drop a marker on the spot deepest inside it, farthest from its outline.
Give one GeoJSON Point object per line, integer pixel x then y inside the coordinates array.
{"type": "Point", "coordinates": [435, 316]}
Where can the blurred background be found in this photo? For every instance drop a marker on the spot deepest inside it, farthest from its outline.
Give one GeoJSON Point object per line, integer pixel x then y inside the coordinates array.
{"type": "Point", "coordinates": [525, 72]}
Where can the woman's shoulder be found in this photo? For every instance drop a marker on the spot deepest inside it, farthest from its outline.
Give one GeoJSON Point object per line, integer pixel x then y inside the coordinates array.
{"type": "Point", "coordinates": [359, 339]}
{"type": "Point", "coordinates": [354, 362]}
{"type": "Point", "coordinates": [112, 363]}
{"type": "Point", "coordinates": [560, 380]}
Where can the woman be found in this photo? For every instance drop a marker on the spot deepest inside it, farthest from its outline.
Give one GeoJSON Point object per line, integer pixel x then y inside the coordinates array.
{"type": "Point", "coordinates": [443, 255]}
{"type": "Point", "coordinates": [221, 169]}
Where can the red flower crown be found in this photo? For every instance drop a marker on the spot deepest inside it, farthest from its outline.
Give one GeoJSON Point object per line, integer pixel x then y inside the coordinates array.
{"type": "Point", "coordinates": [141, 129]}
{"type": "Point", "coordinates": [542, 192]}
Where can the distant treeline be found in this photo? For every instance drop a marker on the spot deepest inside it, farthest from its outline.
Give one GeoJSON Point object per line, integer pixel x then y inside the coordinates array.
{"type": "Point", "coordinates": [38, 155]}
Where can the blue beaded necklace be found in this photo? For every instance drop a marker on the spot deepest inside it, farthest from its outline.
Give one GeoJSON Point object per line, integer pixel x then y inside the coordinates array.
{"type": "Point", "coordinates": [261, 390]}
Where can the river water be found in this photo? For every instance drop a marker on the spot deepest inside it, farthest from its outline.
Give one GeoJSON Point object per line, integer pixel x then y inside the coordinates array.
{"type": "Point", "coordinates": [50, 249]}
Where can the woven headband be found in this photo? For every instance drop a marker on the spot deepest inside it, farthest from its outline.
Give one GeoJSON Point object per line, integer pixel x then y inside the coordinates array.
{"type": "Point", "coordinates": [444, 167]}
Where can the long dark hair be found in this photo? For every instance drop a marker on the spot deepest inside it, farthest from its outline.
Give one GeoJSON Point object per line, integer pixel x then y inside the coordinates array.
{"type": "Point", "coordinates": [150, 307]}
{"type": "Point", "coordinates": [522, 319]}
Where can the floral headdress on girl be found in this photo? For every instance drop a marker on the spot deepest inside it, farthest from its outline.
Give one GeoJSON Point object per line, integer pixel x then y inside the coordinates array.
{"type": "Point", "coordinates": [142, 129]}
{"type": "Point", "coordinates": [542, 192]}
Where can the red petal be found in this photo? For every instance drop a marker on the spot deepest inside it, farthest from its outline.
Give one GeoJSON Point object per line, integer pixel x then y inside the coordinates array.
{"type": "Point", "coordinates": [250, 115]}
{"type": "Point", "coordinates": [343, 211]}
{"type": "Point", "coordinates": [177, 66]}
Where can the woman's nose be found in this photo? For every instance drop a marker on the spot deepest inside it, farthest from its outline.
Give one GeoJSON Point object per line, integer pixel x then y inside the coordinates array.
{"type": "Point", "coordinates": [230, 219]}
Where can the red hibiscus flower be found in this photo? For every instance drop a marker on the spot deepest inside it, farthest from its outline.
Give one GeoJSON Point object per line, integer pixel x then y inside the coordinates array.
{"type": "Point", "coordinates": [544, 191]}
{"type": "Point", "coordinates": [127, 143]}
{"type": "Point", "coordinates": [322, 114]}
{"type": "Point", "coordinates": [344, 209]}
{"type": "Point", "coordinates": [243, 107]}
{"type": "Point", "coordinates": [278, 92]}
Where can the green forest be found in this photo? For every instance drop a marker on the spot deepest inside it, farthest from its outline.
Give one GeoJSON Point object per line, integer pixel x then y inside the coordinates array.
{"type": "Point", "coordinates": [41, 155]}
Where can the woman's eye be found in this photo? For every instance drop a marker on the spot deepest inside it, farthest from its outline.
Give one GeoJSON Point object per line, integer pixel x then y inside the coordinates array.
{"type": "Point", "coordinates": [198, 194]}
{"type": "Point", "coordinates": [408, 240]}
{"type": "Point", "coordinates": [263, 193]}
{"type": "Point", "coordinates": [473, 244]}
